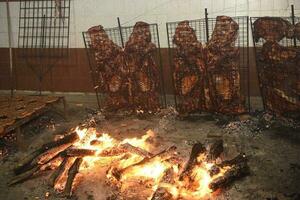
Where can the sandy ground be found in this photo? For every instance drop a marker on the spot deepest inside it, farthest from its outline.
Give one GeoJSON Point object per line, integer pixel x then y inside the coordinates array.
{"type": "Point", "coordinates": [274, 156]}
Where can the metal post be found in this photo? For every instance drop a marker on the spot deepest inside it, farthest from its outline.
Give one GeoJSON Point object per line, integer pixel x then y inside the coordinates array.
{"type": "Point", "coordinates": [120, 29]}
{"type": "Point", "coordinates": [206, 25]}
{"type": "Point", "coordinates": [293, 21]}
{"type": "Point", "coordinates": [10, 49]}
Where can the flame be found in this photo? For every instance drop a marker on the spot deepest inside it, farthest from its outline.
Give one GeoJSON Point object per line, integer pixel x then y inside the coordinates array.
{"type": "Point", "coordinates": [195, 187]}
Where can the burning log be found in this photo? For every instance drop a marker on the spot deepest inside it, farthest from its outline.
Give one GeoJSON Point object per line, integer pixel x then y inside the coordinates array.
{"type": "Point", "coordinates": [25, 176]}
{"type": "Point", "coordinates": [236, 171]}
{"type": "Point", "coordinates": [197, 150]}
{"type": "Point", "coordinates": [71, 176]}
{"type": "Point", "coordinates": [59, 171]}
{"type": "Point", "coordinates": [38, 156]}
{"type": "Point", "coordinates": [214, 150]}
{"type": "Point", "coordinates": [124, 148]}
{"type": "Point", "coordinates": [163, 155]}
{"type": "Point", "coordinates": [79, 152]}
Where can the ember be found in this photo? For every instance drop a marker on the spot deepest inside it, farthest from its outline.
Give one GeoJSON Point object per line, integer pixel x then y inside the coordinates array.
{"type": "Point", "coordinates": [131, 163]}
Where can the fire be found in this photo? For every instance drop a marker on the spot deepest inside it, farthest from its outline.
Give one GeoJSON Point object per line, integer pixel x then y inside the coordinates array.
{"type": "Point", "coordinates": [189, 188]}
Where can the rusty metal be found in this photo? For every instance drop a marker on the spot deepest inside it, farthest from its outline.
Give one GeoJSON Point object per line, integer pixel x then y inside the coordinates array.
{"type": "Point", "coordinates": [277, 59]}
{"type": "Point", "coordinates": [213, 77]}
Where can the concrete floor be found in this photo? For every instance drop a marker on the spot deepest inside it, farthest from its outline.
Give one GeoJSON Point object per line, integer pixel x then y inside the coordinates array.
{"type": "Point", "coordinates": [274, 155]}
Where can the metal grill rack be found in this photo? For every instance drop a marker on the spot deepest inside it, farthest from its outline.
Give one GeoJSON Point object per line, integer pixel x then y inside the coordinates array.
{"type": "Point", "coordinates": [284, 69]}
{"type": "Point", "coordinates": [43, 37]}
{"type": "Point", "coordinates": [120, 35]}
{"type": "Point", "coordinates": [204, 29]}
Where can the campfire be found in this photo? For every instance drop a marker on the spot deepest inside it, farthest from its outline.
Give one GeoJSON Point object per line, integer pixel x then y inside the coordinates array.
{"type": "Point", "coordinates": [131, 165]}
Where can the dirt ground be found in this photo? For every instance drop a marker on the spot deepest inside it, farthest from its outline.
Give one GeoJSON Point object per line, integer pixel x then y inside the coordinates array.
{"type": "Point", "coordinates": [274, 154]}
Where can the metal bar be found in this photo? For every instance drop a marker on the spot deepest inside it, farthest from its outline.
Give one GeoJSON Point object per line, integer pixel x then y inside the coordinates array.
{"type": "Point", "coordinates": [206, 25]}
{"type": "Point", "coordinates": [257, 67]}
{"type": "Point", "coordinates": [10, 49]}
{"type": "Point", "coordinates": [248, 66]}
{"type": "Point", "coordinates": [161, 68]}
{"type": "Point", "coordinates": [293, 21]}
{"type": "Point", "coordinates": [171, 66]}
{"type": "Point", "coordinates": [92, 69]}
{"type": "Point", "coordinates": [120, 29]}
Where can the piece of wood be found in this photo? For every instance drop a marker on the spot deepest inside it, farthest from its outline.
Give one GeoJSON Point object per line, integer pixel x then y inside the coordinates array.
{"type": "Point", "coordinates": [214, 150]}
{"type": "Point", "coordinates": [71, 176]}
{"type": "Point", "coordinates": [235, 172]}
{"type": "Point", "coordinates": [135, 150]}
{"type": "Point", "coordinates": [30, 161]}
{"type": "Point", "coordinates": [59, 171]}
{"type": "Point", "coordinates": [72, 152]}
{"type": "Point", "coordinates": [48, 155]}
{"type": "Point", "coordinates": [124, 148]}
{"type": "Point", "coordinates": [163, 155]}
{"type": "Point", "coordinates": [241, 158]}
{"type": "Point", "coordinates": [197, 150]}
{"type": "Point", "coordinates": [25, 176]}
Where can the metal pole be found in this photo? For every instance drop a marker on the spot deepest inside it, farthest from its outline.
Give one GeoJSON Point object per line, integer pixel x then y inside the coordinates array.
{"type": "Point", "coordinates": [120, 29]}
{"type": "Point", "coordinates": [206, 25]}
{"type": "Point", "coordinates": [293, 21]}
{"type": "Point", "coordinates": [10, 49]}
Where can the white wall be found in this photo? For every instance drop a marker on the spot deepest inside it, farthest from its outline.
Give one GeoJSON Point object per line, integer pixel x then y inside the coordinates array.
{"type": "Point", "coordinates": [86, 13]}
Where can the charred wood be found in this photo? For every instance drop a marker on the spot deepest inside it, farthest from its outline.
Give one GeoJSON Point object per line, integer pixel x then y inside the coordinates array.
{"type": "Point", "coordinates": [235, 172]}
{"type": "Point", "coordinates": [33, 159]}
{"type": "Point", "coordinates": [71, 176]}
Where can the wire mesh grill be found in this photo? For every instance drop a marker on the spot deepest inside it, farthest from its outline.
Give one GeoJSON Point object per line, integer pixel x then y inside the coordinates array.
{"type": "Point", "coordinates": [278, 75]}
{"type": "Point", "coordinates": [44, 26]}
{"type": "Point", "coordinates": [43, 37]}
{"type": "Point", "coordinates": [203, 29]}
{"type": "Point", "coordinates": [120, 37]}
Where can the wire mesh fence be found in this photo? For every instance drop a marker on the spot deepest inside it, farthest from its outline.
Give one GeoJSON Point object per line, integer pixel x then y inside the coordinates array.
{"type": "Point", "coordinates": [204, 29]}
{"type": "Point", "coordinates": [277, 61]}
{"type": "Point", "coordinates": [120, 37]}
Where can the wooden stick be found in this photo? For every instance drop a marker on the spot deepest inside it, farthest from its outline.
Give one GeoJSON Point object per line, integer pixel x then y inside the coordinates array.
{"type": "Point", "coordinates": [197, 150]}
{"type": "Point", "coordinates": [214, 150]}
{"type": "Point", "coordinates": [23, 177]}
{"type": "Point", "coordinates": [30, 161]}
{"type": "Point", "coordinates": [236, 171]}
{"type": "Point", "coordinates": [79, 152]}
{"type": "Point", "coordinates": [71, 176]}
{"type": "Point", "coordinates": [59, 171]}
{"type": "Point", "coordinates": [163, 155]}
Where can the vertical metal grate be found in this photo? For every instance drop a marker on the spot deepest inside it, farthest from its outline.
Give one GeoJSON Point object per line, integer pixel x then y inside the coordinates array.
{"type": "Point", "coordinates": [117, 35]}
{"type": "Point", "coordinates": [204, 28]}
{"type": "Point", "coordinates": [43, 36]}
{"type": "Point", "coordinates": [278, 80]}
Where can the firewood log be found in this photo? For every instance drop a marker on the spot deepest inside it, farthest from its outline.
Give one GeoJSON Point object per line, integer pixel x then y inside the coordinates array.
{"type": "Point", "coordinates": [30, 161]}
{"type": "Point", "coordinates": [71, 176]}
{"type": "Point", "coordinates": [24, 176]}
{"type": "Point", "coordinates": [236, 171]}
{"type": "Point", "coordinates": [163, 155]}
{"type": "Point", "coordinates": [59, 171]}
{"type": "Point", "coordinates": [197, 150]}
{"type": "Point", "coordinates": [72, 152]}
{"type": "Point", "coordinates": [214, 150]}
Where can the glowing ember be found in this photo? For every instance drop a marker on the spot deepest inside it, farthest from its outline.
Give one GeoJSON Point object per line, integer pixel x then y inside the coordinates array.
{"type": "Point", "coordinates": [130, 160]}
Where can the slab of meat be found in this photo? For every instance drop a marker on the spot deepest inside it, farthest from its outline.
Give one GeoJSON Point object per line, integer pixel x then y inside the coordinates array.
{"type": "Point", "coordinates": [222, 64]}
{"type": "Point", "coordinates": [143, 73]}
{"type": "Point", "coordinates": [189, 68]}
{"type": "Point", "coordinates": [109, 63]}
{"type": "Point", "coordinates": [272, 29]}
{"type": "Point", "coordinates": [280, 78]}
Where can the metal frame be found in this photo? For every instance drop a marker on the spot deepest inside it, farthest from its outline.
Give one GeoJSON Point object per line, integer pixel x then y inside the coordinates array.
{"type": "Point", "coordinates": [285, 42]}
{"type": "Point", "coordinates": [120, 35]}
{"type": "Point", "coordinates": [44, 29]}
{"type": "Point", "coordinates": [204, 29]}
